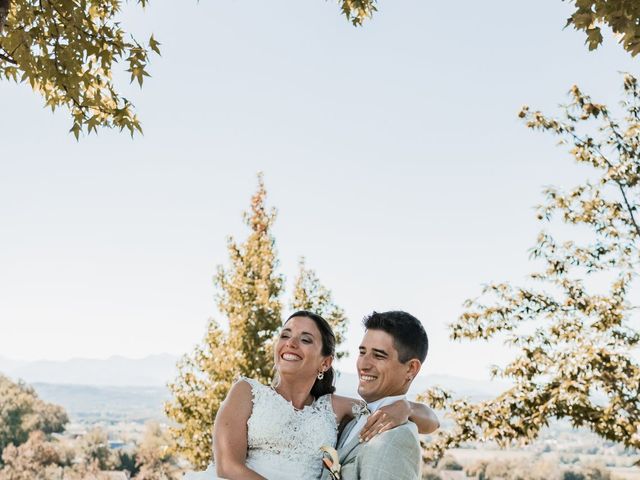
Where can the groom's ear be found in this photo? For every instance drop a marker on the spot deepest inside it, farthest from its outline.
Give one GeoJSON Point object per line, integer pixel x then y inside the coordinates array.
{"type": "Point", "coordinates": [413, 367]}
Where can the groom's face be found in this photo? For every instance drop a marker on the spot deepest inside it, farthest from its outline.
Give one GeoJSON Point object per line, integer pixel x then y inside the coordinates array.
{"type": "Point", "coordinates": [380, 372]}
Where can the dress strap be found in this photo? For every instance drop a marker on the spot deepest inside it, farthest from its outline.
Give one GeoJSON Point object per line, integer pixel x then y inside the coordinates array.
{"type": "Point", "coordinates": [250, 381]}
{"type": "Point", "coordinates": [258, 390]}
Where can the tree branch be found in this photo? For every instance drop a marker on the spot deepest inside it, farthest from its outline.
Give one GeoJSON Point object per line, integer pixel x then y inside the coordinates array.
{"type": "Point", "coordinates": [618, 182]}
{"type": "Point", "coordinates": [626, 201]}
{"type": "Point", "coordinates": [7, 58]}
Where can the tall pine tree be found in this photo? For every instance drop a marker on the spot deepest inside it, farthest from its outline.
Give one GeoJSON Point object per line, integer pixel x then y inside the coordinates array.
{"type": "Point", "coordinates": [249, 295]}
{"type": "Point", "coordinates": [309, 294]}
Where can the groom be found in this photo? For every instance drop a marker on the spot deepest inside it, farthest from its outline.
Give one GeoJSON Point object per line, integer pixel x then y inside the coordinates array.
{"type": "Point", "coordinates": [391, 353]}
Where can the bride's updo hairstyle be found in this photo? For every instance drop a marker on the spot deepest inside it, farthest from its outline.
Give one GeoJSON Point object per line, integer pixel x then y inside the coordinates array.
{"type": "Point", "coordinates": [324, 386]}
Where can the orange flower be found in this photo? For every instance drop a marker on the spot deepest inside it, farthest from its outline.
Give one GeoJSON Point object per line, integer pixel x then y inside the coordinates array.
{"type": "Point", "coordinates": [332, 462]}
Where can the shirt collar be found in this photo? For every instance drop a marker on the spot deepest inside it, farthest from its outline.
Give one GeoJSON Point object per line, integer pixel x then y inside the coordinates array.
{"type": "Point", "coordinates": [381, 402]}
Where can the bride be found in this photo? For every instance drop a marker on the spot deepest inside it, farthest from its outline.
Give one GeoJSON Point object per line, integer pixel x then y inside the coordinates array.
{"type": "Point", "coordinates": [276, 432]}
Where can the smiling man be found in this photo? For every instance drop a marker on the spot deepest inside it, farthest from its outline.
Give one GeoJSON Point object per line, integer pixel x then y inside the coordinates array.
{"type": "Point", "coordinates": [392, 352]}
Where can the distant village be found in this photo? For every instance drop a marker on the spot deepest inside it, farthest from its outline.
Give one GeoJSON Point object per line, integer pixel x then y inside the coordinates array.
{"type": "Point", "coordinates": [109, 424]}
{"type": "Point", "coordinates": [561, 453]}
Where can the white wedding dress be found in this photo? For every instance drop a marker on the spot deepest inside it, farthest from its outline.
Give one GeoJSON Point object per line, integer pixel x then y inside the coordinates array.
{"type": "Point", "coordinates": [283, 442]}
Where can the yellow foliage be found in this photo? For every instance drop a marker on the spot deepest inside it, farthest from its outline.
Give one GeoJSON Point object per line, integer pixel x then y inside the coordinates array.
{"type": "Point", "coordinates": [249, 296]}
{"type": "Point", "coordinates": [575, 345]}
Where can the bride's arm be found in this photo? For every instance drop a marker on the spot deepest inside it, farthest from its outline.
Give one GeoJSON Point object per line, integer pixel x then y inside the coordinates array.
{"type": "Point", "coordinates": [342, 407]}
{"type": "Point", "coordinates": [388, 417]}
{"type": "Point", "coordinates": [230, 434]}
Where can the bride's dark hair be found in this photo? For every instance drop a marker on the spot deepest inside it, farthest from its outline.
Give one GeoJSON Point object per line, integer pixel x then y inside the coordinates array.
{"type": "Point", "coordinates": [324, 386]}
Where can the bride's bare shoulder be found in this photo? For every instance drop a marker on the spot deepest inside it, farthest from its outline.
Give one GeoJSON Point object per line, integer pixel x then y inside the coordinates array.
{"type": "Point", "coordinates": [236, 407]}
{"type": "Point", "coordinates": [242, 384]}
{"type": "Point", "coordinates": [343, 406]}
{"type": "Point", "coordinates": [240, 391]}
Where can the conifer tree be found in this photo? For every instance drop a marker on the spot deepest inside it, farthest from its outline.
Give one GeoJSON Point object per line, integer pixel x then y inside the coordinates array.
{"type": "Point", "coordinates": [309, 294]}
{"type": "Point", "coordinates": [249, 296]}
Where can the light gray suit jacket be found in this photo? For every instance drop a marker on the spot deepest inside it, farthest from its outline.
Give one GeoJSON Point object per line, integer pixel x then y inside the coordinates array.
{"type": "Point", "coordinates": [394, 454]}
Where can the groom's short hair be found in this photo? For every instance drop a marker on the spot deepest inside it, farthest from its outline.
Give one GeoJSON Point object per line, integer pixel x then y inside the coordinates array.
{"type": "Point", "coordinates": [409, 336]}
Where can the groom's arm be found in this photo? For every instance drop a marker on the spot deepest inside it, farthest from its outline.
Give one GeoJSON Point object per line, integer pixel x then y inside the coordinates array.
{"type": "Point", "coordinates": [394, 454]}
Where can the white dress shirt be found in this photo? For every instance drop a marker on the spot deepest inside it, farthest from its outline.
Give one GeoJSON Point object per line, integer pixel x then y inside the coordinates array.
{"type": "Point", "coordinates": [373, 406]}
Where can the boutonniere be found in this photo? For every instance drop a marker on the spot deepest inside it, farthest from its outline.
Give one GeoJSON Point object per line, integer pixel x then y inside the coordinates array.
{"type": "Point", "coordinates": [359, 409]}
{"type": "Point", "coordinates": [331, 461]}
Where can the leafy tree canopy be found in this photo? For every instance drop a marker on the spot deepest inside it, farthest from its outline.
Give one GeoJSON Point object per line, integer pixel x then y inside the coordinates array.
{"type": "Point", "coordinates": [572, 324]}
{"type": "Point", "coordinates": [36, 458]}
{"type": "Point", "coordinates": [22, 412]}
{"type": "Point", "coordinates": [67, 50]}
{"type": "Point", "coordinates": [45, 458]}
{"type": "Point", "coordinates": [93, 449]}
{"type": "Point", "coordinates": [622, 16]}
{"type": "Point", "coordinates": [155, 457]}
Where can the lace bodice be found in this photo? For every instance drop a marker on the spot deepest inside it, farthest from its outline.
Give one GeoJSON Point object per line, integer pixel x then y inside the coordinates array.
{"type": "Point", "coordinates": [284, 443]}
{"type": "Point", "coordinates": [279, 435]}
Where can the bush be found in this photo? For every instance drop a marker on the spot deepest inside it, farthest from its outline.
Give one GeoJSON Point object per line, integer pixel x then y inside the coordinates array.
{"type": "Point", "coordinates": [449, 462]}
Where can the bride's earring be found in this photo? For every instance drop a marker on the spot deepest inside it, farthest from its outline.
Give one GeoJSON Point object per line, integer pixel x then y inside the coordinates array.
{"type": "Point", "coordinates": [320, 375]}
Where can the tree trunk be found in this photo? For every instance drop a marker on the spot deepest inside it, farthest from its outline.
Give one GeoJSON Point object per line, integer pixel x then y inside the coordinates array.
{"type": "Point", "coordinates": [4, 11]}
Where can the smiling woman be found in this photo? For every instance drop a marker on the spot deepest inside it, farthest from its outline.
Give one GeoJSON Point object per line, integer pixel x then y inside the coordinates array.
{"type": "Point", "coordinates": [277, 431]}
{"type": "Point", "coordinates": [305, 351]}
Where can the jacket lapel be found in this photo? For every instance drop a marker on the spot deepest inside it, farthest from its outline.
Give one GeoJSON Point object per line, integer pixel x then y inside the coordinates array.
{"type": "Point", "coordinates": [345, 449]}
{"type": "Point", "coordinates": [345, 433]}
{"type": "Point", "coordinates": [349, 450]}
{"type": "Point", "coordinates": [340, 446]}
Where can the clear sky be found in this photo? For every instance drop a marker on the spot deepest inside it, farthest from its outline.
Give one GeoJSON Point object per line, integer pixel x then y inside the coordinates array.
{"type": "Point", "coordinates": [393, 153]}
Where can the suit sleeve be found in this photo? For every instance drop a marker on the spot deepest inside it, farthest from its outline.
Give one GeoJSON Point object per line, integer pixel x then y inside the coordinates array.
{"type": "Point", "coordinates": [395, 454]}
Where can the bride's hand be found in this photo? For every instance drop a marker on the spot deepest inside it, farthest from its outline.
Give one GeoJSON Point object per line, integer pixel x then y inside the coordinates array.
{"type": "Point", "coordinates": [386, 418]}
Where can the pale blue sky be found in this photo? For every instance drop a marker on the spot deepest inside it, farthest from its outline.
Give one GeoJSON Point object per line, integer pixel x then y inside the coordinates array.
{"type": "Point", "coordinates": [393, 153]}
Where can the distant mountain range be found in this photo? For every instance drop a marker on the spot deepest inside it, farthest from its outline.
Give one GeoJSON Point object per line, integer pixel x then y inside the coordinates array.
{"type": "Point", "coordinates": [92, 404]}
{"type": "Point", "coordinates": [116, 371]}
{"type": "Point", "coordinates": [126, 389]}
{"type": "Point", "coordinates": [347, 384]}
{"type": "Point", "coordinates": [158, 370]}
